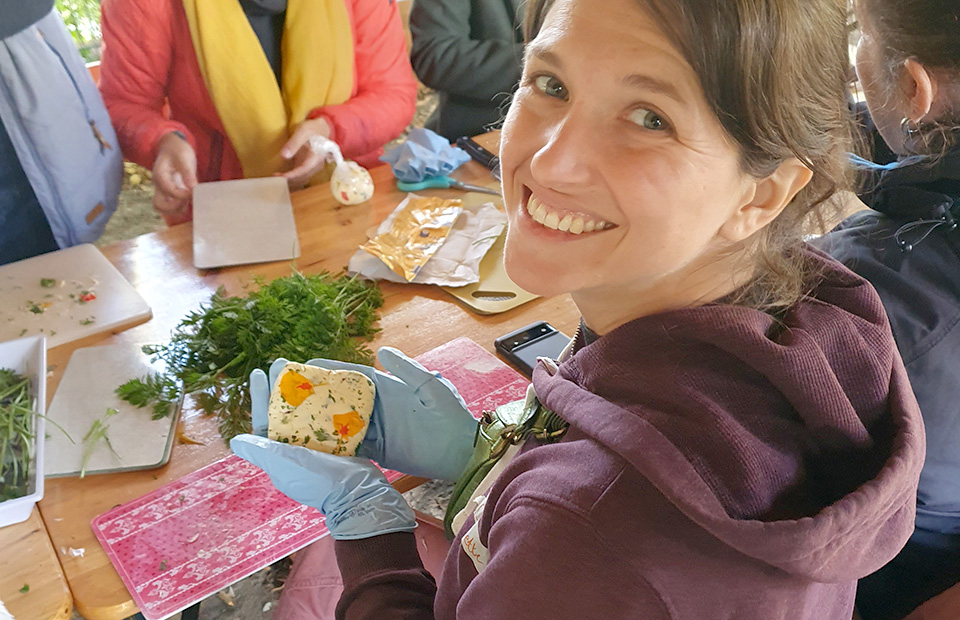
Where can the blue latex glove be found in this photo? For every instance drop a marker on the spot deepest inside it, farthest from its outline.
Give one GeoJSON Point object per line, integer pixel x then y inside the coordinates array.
{"type": "Point", "coordinates": [424, 154]}
{"type": "Point", "coordinates": [353, 494]}
{"type": "Point", "coordinates": [419, 426]}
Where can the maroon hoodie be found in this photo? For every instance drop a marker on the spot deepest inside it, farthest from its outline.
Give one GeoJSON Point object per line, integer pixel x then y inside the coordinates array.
{"type": "Point", "coordinates": [719, 464]}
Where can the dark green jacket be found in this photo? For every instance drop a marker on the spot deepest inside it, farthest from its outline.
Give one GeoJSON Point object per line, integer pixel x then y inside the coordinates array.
{"type": "Point", "coordinates": [471, 52]}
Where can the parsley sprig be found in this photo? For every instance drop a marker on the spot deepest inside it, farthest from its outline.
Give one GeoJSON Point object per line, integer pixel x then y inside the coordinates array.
{"type": "Point", "coordinates": [213, 350]}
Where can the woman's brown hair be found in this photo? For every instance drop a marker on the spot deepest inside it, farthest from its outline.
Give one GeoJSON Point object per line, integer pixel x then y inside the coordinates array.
{"type": "Point", "coordinates": [774, 72]}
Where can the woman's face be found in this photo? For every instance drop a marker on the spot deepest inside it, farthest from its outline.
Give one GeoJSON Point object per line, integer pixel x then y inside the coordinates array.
{"type": "Point", "coordinates": [617, 176]}
{"type": "Point", "coordinates": [874, 79]}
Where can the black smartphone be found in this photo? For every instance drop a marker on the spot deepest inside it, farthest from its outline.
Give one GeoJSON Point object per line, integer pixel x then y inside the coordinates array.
{"type": "Point", "coordinates": [523, 346]}
{"type": "Point", "coordinates": [481, 155]}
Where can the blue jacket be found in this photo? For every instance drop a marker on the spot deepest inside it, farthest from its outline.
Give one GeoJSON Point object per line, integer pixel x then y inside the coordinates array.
{"type": "Point", "coordinates": [52, 111]}
{"type": "Point", "coordinates": [909, 249]}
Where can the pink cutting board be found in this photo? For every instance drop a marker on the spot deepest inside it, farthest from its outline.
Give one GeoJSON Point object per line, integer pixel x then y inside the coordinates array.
{"type": "Point", "coordinates": [481, 378]}
{"type": "Point", "coordinates": [199, 534]}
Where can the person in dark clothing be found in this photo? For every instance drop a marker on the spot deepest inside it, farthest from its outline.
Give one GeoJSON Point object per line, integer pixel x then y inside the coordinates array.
{"type": "Point", "coordinates": [471, 52]}
{"type": "Point", "coordinates": [24, 230]}
{"type": "Point", "coordinates": [741, 440]}
{"type": "Point", "coordinates": [908, 247]}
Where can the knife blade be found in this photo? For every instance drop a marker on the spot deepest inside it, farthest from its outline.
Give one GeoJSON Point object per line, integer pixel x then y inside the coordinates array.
{"type": "Point", "coordinates": [481, 155]}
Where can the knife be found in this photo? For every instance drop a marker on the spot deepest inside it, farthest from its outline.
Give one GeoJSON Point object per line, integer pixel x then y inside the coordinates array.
{"type": "Point", "coordinates": [479, 154]}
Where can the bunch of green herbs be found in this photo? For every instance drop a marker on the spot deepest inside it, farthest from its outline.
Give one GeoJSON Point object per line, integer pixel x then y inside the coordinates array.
{"type": "Point", "coordinates": [213, 350]}
{"type": "Point", "coordinates": [16, 434]}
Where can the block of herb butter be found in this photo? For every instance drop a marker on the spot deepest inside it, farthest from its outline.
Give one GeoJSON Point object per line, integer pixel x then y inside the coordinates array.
{"type": "Point", "coordinates": [324, 410]}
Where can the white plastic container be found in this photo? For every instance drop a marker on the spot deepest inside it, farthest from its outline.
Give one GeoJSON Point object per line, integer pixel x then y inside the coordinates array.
{"type": "Point", "coordinates": [28, 357]}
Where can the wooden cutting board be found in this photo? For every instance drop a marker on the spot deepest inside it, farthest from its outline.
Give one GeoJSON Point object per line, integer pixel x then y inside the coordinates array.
{"type": "Point", "coordinates": [242, 222]}
{"type": "Point", "coordinates": [85, 295]}
{"type": "Point", "coordinates": [83, 396]}
{"type": "Point", "coordinates": [495, 292]}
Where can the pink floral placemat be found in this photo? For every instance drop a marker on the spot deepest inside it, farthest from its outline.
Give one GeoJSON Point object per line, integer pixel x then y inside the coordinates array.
{"type": "Point", "coordinates": [482, 379]}
{"type": "Point", "coordinates": [199, 534]}
{"type": "Point", "coordinates": [196, 535]}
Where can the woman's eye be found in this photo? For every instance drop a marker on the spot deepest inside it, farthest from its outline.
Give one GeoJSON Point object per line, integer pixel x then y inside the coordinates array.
{"type": "Point", "coordinates": [551, 86]}
{"type": "Point", "coordinates": [648, 119]}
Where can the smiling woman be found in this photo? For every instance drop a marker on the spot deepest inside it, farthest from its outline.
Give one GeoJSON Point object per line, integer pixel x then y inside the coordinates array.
{"type": "Point", "coordinates": [695, 168]}
{"type": "Point", "coordinates": [740, 437]}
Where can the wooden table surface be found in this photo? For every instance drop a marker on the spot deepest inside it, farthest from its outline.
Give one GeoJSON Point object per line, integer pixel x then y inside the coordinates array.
{"type": "Point", "coordinates": [31, 581]}
{"type": "Point", "coordinates": [415, 318]}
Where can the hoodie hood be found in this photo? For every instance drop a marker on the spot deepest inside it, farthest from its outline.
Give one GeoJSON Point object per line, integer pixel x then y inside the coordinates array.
{"type": "Point", "coordinates": [921, 193]}
{"type": "Point", "coordinates": [796, 441]}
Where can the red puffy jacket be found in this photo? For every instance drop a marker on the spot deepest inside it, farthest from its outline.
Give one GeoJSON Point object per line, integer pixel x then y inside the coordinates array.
{"type": "Point", "coordinates": [148, 60]}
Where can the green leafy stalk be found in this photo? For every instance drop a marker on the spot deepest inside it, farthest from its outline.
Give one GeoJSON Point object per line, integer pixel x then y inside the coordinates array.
{"type": "Point", "coordinates": [157, 391]}
{"type": "Point", "coordinates": [98, 431]}
{"type": "Point", "coordinates": [213, 350]}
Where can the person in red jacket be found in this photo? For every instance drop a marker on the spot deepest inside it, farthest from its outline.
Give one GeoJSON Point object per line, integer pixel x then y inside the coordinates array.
{"type": "Point", "coordinates": [248, 83]}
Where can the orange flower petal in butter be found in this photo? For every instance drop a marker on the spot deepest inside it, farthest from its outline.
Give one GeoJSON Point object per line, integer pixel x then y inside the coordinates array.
{"type": "Point", "coordinates": [348, 424]}
{"type": "Point", "coordinates": [295, 388]}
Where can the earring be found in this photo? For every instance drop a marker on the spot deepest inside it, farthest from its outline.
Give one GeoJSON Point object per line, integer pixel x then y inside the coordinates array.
{"type": "Point", "coordinates": [908, 128]}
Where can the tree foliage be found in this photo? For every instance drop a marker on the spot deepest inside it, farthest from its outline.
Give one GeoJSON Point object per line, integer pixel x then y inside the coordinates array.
{"type": "Point", "coordinates": [82, 18]}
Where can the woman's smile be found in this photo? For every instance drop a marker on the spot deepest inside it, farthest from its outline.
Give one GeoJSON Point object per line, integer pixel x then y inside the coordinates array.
{"type": "Point", "coordinates": [569, 221]}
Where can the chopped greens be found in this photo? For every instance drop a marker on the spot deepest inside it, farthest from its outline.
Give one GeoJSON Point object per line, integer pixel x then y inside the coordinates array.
{"type": "Point", "coordinates": [98, 430]}
{"type": "Point", "coordinates": [16, 434]}
{"type": "Point", "coordinates": [48, 282]}
{"type": "Point", "coordinates": [25, 588]}
{"type": "Point", "coordinates": [213, 350]}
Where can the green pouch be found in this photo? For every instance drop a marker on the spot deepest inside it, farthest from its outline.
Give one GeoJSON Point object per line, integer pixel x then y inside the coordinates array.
{"type": "Point", "coordinates": [497, 430]}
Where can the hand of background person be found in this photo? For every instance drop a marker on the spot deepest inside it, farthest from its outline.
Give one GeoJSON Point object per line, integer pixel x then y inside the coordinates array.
{"type": "Point", "coordinates": [306, 162]}
{"type": "Point", "coordinates": [174, 175]}
{"type": "Point", "coordinates": [419, 425]}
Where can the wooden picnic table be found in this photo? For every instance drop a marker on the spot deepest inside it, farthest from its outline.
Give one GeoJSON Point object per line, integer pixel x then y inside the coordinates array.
{"type": "Point", "coordinates": [414, 318]}
{"type": "Point", "coordinates": [32, 584]}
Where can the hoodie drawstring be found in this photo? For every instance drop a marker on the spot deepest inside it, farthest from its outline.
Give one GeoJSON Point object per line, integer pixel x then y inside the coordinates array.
{"type": "Point", "coordinates": [944, 218]}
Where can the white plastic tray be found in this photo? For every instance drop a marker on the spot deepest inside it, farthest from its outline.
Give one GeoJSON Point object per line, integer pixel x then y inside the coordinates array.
{"type": "Point", "coordinates": [28, 357]}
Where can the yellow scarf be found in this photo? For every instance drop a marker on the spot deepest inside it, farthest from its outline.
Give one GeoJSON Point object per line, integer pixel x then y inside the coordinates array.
{"type": "Point", "coordinates": [317, 53]}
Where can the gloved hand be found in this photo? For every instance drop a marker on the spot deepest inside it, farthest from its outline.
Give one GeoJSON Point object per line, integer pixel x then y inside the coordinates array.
{"type": "Point", "coordinates": [353, 494]}
{"type": "Point", "coordinates": [420, 424]}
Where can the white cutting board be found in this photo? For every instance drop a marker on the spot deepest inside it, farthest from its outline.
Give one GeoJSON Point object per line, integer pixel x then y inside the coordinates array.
{"type": "Point", "coordinates": [83, 396]}
{"type": "Point", "coordinates": [242, 222]}
{"type": "Point", "coordinates": [64, 318]}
